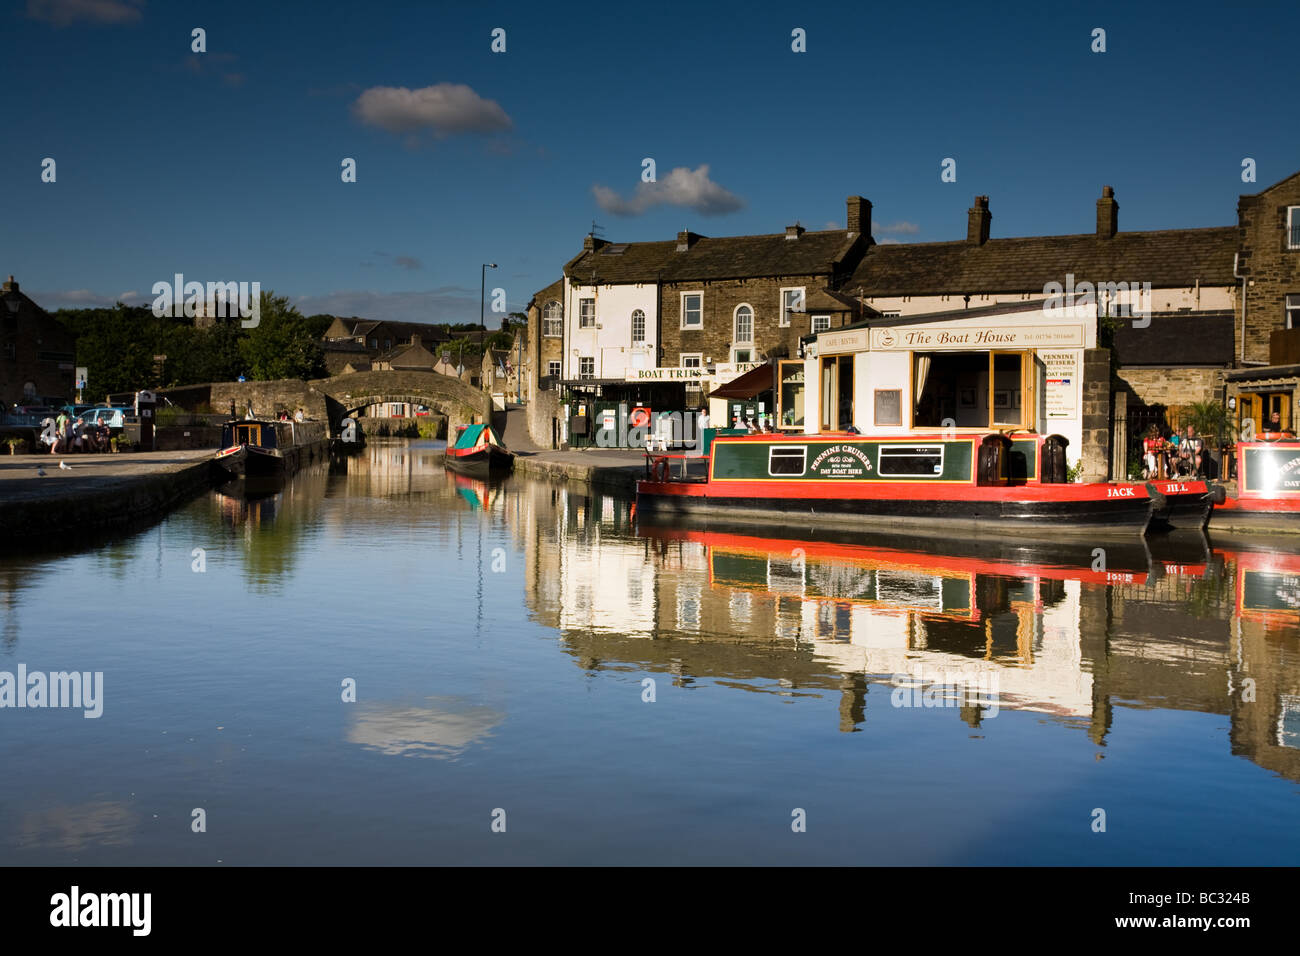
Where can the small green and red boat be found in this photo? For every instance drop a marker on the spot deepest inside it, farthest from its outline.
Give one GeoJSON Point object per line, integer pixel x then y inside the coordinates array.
{"type": "Point", "coordinates": [479, 453]}
{"type": "Point", "coordinates": [936, 483]}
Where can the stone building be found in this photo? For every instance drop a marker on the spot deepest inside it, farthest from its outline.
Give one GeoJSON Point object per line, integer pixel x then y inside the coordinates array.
{"type": "Point", "coordinates": [37, 354]}
{"type": "Point", "coordinates": [1187, 315]}
{"type": "Point", "coordinates": [359, 343]}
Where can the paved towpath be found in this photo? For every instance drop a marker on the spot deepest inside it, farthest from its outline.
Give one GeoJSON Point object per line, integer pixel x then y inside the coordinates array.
{"type": "Point", "coordinates": [19, 480]}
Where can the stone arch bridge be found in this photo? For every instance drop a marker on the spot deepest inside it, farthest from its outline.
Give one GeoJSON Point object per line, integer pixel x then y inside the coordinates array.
{"type": "Point", "coordinates": [333, 399]}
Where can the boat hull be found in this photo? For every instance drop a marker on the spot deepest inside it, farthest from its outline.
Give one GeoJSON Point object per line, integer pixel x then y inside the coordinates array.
{"type": "Point", "coordinates": [1061, 510]}
{"type": "Point", "coordinates": [1187, 504]}
{"type": "Point", "coordinates": [481, 462]}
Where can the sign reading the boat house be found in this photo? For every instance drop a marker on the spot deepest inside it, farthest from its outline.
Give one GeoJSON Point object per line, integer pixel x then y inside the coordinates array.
{"type": "Point", "coordinates": [937, 338]}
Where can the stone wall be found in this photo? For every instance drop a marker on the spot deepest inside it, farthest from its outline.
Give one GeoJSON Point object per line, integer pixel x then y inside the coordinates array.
{"type": "Point", "coordinates": [1173, 386]}
{"type": "Point", "coordinates": [1272, 269]}
{"type": "Point", "coordinates": [327, 399]}
{"type": "Point", "coordinates": [1095, 453]}
{"type": "Point", "coordinates": [717, 334]}
{"type": "Point", "coordinates": [541, 412]}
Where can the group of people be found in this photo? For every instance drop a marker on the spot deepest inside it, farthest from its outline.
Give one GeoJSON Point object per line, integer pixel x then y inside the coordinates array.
{"type": "Point", "coordinates": [1173, 455]}
{"type": "Point", "coordinates": [298, 416]}
{"type": "Point", "coordinates": [65, 435]}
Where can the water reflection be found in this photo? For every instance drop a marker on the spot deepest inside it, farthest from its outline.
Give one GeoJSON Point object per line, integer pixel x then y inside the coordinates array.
{"type": "Point", "coordinates": [444, 730]}
{"type": "Point", "coordinates": [504, 630]}
{"type": "Point", "coordinates": [1058, 632]}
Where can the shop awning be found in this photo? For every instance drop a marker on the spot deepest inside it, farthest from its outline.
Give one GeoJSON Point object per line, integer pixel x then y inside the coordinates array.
{"type": "Point", "coordinates": [750, 385]}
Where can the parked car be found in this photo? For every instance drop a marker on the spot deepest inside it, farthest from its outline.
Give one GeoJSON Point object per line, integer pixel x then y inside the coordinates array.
{"type": "Point", "coordinates": [113, 417]}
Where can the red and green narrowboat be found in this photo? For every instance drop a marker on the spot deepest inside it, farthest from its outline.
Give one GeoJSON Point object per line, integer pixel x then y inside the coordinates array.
{"type": "Point", "coordinates": [932, 483]}
{"type": "Point", "coordinates": [479, 453]}
{"type": "Point", "coordinates": [1267, 498]}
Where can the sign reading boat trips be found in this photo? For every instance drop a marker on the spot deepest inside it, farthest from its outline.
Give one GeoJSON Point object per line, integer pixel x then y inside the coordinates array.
{"type": "Point", "coordinates": [1062, 383]}
{"type": "Point", "coordinates": [665, 374]}
{"type": "Point", "coordinates": [936, 338]}
{"type": "Point", "coordinates": [1270, 469]}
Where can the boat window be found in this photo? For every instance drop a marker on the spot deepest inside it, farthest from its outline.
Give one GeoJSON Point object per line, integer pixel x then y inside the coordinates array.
{"type": "Point", "coordinates": [786, 459]}
{"type": "Point", "coordinates": [915, 460]}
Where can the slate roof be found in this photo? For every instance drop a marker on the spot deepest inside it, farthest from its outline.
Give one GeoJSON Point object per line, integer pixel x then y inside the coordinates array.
{"type": "Point", "coordinates": [1165, 258]}
{"type": "Point", "coordinates": [727, 257]}
{"type": "Point", "coordinates": [1177, 338]}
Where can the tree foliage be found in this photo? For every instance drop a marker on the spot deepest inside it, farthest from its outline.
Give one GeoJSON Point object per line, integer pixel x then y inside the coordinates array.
{"type": "Point", "coordinates": [118, 347]}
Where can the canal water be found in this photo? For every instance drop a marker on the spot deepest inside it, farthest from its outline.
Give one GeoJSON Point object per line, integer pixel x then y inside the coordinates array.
{"type": "Point", "coordinates": [538, 680]}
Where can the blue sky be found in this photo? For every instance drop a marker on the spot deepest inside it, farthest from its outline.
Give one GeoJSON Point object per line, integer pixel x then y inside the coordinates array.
{"type": "Point", "coordinates": [226, 165]}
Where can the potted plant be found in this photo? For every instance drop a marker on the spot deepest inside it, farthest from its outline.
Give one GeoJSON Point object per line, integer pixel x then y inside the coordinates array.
{"type": "Point", "coordinates": [1214, 424]}
{"type": "Point", "coordinates": [120, 443]}
{"type": "Point", "coordinates": [14, 444]}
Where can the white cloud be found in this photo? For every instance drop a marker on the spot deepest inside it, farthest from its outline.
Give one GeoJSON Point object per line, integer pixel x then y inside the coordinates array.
{"type": "Point", "coordinates": [407, 262]}
{"type": "Point", "coordinates": [690, 189]}
{"type": "Point", "coordinates": [902, 226]}
{"type": "Point", "coordinates": [64, 13]}
{"type": "Point", "coordinates": [445, 108]}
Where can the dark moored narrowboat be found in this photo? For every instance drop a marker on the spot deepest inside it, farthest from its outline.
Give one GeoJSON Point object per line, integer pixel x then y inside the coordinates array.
{"type": "Point", "coordinates": [479, 453]}
{"type": "Point", "coordinates": [260, 448]}
{"type": "Point", "coordinates": [945, 483]}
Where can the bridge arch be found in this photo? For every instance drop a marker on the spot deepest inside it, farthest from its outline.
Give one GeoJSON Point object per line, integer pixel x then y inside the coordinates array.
{"type": "Point", "coordinates": [345, 394]}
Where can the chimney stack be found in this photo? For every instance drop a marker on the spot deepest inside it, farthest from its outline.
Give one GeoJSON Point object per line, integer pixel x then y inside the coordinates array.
{"type": "Point", "coordinates": [1107, 214]}
{"type": "Point", "coordinates": [591, 243]}
{"type": "Point", "coordinates": [794, 232]}
{"type": "Point", "coordinates": [11, 285]}
{"type": "Point", "coordinates": [978, 218]}
{"type": "Point", "coordinates": [859, 215]}
{"type": "Point", "coordinates": [685, 239]}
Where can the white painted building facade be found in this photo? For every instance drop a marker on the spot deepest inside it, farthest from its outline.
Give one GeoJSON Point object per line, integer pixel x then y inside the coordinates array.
{"type": "Point", "coordinates": [609, 329]}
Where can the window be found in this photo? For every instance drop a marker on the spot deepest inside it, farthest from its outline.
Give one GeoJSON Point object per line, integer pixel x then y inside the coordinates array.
{"type": "Point", "coordinates": [742, 356]}
{"type": "Point", "coordinates": [692, 360]}
{"type": "Point", "coordinates": [638, 327]}
{"type": "Point", "coordinates": [914, 461]}
{"type": "Point", "coordinates": [1293, 227]}
{"type": "Point", "coordinates": [586, 313]}
{"type": "Point", "coordinates": [820, 323]}
{"type": "Point", "coordinates": [1293, 311]}
{"type": "Point", "coordinates": [553, 369]}
{"type": "Point", "coordinates": [744, 331]}
{"type": "Point", "coordinates": [552, 320]}
{"type": "Point", "coordinates": [388, 343]}
{"type": "Point", "coordinates": [374, 343]}
{"type": "Point", "coordinates": [787, 459]}
{"type": "Point", "coordinates": [791, 301]}
{"type": "Point", "coordinates": [586, 367]}
{"type": "Point", "coordinates": [692, 310]}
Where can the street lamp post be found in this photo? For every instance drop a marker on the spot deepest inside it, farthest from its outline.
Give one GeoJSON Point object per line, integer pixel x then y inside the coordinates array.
{"type": "Point", "coordinates": [482, 289]}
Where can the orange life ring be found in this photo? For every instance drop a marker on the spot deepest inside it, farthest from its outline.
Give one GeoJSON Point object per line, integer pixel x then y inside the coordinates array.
{"type": "Point", "coordinates": [639, 417]}
{"type": "Point", "coordinates": [659, 472]}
